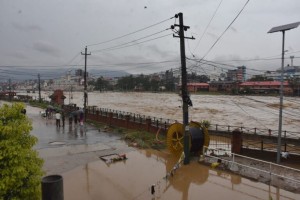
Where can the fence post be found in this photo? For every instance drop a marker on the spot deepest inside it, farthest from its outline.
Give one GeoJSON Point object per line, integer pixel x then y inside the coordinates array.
{"type": "Point", "coordinates": [148, 123]}
{"type": "Point", "coordinates": [262, 145]}
{"type": "Point", "coordinates": [285, 146]}
{"type": "Point", "coordinates": [127, 118]}
{"type": "Point", "coordinates": [236, 141]}
{"type": "Point", "coordinates": [110, 117]}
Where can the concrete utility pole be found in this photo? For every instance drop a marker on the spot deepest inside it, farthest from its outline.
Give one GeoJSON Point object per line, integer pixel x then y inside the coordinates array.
{"type": "Point", "coordinates": [39, 78]}
{"type": "Point", "coordinates": [9, 82]}
{"type": "Point", "coordinates": [85, 94]}
{"type": "Point", "coordinates": [185, 98]}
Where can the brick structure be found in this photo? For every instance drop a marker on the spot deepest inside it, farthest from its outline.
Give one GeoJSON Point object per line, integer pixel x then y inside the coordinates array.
{"type": "Point", "coordinates": [57, 97]}
{"type": "Point", "coordinates": [126, 121]}
{"type": "Point", "coordinates": [236, 142]}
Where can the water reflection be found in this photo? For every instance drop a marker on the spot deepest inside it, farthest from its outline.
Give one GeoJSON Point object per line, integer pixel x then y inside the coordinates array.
{"type": "Point", "coordinates": [133, 178]}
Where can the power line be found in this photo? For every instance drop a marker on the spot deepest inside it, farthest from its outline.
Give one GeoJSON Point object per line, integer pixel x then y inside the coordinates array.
{"type": "Point", "coordinates": [139, 30]}
{"type": "Point", "coordinates": [113, 48]}
{"type": "Point", "coordinates": [207, 26]}
{"type": "Point", "coordinates": [124, 44]}
{"type": "Point", "coordinates": [225, 30]}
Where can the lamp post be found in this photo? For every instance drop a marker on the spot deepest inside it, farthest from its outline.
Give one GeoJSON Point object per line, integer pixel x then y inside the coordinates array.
{"type": "Point", "coordinates": [282, 29]}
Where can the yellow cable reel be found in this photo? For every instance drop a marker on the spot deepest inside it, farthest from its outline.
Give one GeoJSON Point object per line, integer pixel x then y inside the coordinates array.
{"type": "Point", "coordinates": [175, 135]}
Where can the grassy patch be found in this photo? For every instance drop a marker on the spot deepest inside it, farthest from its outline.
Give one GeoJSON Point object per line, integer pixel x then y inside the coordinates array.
{"type": "Point", "coordinates": [143, 139]}
{"type": "Point", "coordinates": [135, 138]}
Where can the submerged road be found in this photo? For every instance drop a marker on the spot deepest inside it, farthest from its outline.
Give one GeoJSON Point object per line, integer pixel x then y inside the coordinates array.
{"type": "Point", "coordinates": [74, 153]}
{"type": "Point", "coordinates": [67, 147]}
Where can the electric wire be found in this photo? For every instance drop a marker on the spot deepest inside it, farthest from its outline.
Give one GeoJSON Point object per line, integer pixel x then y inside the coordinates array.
{"type": "Point", "coordinates": [249, 114]}
{"type": "Point", "coordinates": [225, 30]}
{"type": "Point", "coordinates": [207, 26]}
{"type": "Point", "coordinates": [122, 36]}
{"type": "Point", "coordinates": [123, 44]}
{"type": "Point", "coordinates": [116, 48]}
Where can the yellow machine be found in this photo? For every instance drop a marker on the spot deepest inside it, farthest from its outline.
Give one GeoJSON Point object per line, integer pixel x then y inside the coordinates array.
{"type": "Point", "coordinates": [198, 134]}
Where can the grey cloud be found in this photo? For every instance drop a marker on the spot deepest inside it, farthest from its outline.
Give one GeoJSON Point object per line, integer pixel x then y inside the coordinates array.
{"type": "Point", "coordinates": [26, 28]}
{"type": "Point", "coordinates": [18, 55]}
{"type": "Point", "coordinates": [47, 48]}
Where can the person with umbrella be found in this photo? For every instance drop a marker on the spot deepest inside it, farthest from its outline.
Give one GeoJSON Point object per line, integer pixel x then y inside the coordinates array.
{"type": "Point", "coordinates": [57, 117]}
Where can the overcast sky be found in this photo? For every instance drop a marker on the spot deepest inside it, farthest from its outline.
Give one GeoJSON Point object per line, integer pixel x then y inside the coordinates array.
{"type": "Point", "coordinates": [43, 33]}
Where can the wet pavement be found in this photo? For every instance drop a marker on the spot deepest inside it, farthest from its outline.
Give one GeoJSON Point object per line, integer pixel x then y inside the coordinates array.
{"type": "Point", "coordinates": [133, 178]}
{"type": "Point", "coordinates": [75, 154]}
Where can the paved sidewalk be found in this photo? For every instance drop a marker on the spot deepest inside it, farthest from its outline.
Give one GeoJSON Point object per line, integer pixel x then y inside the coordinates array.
{"type": "Point", "coordinates": [66, 148]}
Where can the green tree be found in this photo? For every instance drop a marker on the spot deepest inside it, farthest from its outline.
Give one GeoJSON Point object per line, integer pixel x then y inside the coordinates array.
{"type": "Point", "coordinates": [294, 82]}
{"type": "Point", "coordinates": [20, 166]}
{"type": "Point", "coordinates": [101, 84]}
{"type": "Point", "coordinates": [260, 78]}
{"type": "Point", "coordinates": [126, 83]}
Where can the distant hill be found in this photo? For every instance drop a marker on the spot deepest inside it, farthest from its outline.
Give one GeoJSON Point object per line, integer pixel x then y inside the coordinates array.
{"type": "Point", "coordinates": [21, 74]}
{"type": "Point", "coordinates": [107, 73]}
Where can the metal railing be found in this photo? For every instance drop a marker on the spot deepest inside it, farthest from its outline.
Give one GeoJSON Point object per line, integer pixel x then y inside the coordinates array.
{"type": "Point", "coordinates": [263, 169]}
{"type": "Point", "coordinates": [254, 131]}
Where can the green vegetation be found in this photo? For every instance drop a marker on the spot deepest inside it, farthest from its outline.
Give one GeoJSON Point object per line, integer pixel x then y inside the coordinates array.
{"type": "Point", "coordinates": [144, 139]}
{"type": "Point", "coordinates": [260, 78]}
{"type": "Point", "coordinates": [20, 166]}
{"type": "Point", "coordinates": [136, 138]}
{"type": "Point", "coordinates": [39, 104]}
{"type": "Point", "coordinates": [205, 123]}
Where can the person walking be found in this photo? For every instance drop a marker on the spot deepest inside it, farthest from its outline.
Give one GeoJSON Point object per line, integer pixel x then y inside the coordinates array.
{"type": "Point", "coordinates": [63, 119]}
{"type": "Point", "coordinates": [81, 119]}
{"type": "Point", "coordinates": [75, 119]}
{"type": "Point", "coordinates": [70, 119]}
{"type": "Point", "coordinates": [57, 117]}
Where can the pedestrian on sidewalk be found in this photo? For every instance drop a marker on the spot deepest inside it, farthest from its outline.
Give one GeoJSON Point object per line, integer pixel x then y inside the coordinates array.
{"type": "Point", "coordinates": [70, 119]}
{"type": "Point", "coordinates": [63, 119]}
{"type": "Point", "coordinates": [75, 119]}
{"type": "Point", "coordinates": [57, 117]}
{"type": "Point", "coordinates": [81, 119]}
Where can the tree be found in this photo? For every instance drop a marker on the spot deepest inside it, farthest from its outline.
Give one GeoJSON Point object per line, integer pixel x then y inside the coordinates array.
{"type": "Point", "coordinates": [294, 82]}
{"type": "Point", "coordinates": [260, 78]}
{"type": "Point", "coordinates": [101, 84]}
{"type": "Point", "coordinates": [20, 166]}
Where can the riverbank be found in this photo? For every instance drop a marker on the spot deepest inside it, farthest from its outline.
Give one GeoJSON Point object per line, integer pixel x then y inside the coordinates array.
{"type": "Point", "coordinates": [261, 112]}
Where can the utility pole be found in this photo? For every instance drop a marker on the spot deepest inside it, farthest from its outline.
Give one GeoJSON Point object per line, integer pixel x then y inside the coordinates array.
{"type": "Point", "coordinates": [9, 95]}
{"type": "Point", "coordinates": [85, 94]}
{"type": "Point", "coordinates": [282, 29]}
{"type": "Point", "coordinates": [185, 97]}
{"type": "Point", "coordinates": [39, 78]}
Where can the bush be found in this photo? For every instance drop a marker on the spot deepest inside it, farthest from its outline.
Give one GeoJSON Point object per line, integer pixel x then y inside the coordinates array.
{"type": "Point", "coordinates": [20, 166]}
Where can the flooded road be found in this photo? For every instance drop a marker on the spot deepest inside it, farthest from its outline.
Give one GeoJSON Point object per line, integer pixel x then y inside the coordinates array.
{"type": "Point", "coordinates": [132, 179]}
{"type": "Point", "coordinates": [86, 176]}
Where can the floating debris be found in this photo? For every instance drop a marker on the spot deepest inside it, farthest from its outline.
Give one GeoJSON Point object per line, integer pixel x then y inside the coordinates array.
{"type": "Point", "coordinates": [111, 158]}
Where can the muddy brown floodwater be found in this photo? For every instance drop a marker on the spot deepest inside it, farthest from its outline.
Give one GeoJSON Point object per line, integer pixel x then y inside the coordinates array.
{"type": "Point", "coordinates": [132, 179]}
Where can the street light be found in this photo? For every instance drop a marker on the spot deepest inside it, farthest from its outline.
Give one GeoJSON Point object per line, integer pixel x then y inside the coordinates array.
{"type": "Point", "coordinates": [282, 29]}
